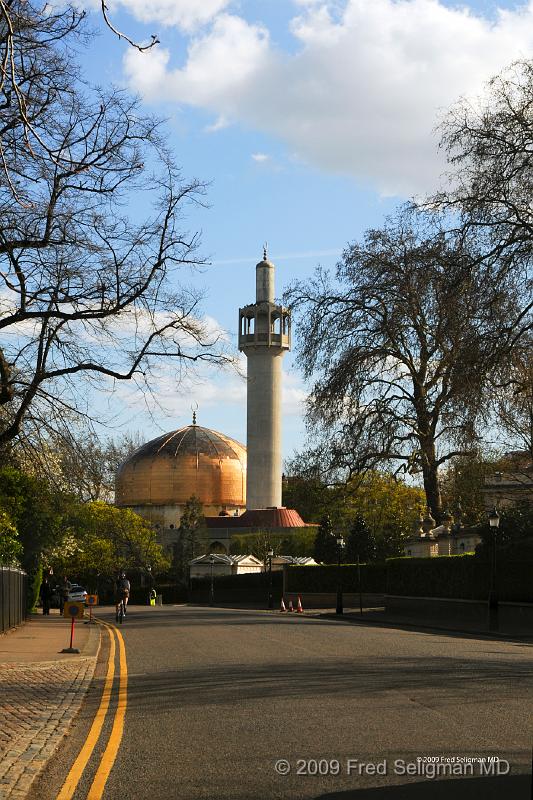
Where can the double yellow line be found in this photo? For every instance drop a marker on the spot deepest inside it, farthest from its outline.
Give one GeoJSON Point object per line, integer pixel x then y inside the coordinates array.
{"type": "Point", "coordinates": [110, 753]}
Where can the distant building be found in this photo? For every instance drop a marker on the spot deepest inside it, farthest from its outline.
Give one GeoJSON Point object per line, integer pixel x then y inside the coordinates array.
{"type": "Point", "coordinates": [278, 562]}
{"type": "Point", "coordinates": [509, 489]}
{"type": "Point", "coordinates": [239, 488]}
{"type": "Point", "coordinates": [158, 479]}
{"type": "Point", "coordinates": [221, 564]}
{"type": "Point", "coordinates": [448, 539]}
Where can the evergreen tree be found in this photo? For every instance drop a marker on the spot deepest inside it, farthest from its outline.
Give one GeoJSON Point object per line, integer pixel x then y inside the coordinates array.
{"type": "Point", "coordinates": [361, 542]}
{"type": "Point", "coordinates": [192, 532]}
{"type": "Point", "coordinates": [325, 542]}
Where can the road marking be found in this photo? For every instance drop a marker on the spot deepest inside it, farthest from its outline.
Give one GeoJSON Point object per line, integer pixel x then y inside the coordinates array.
{"type": "Point", "coordinates": [110, 753]}
{"type": "Point", "coordinates": [76, 771]}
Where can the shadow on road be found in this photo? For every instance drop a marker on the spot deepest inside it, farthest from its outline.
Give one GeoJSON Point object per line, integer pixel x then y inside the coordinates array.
{"type": "Point", "coordinates": [220, 684]}
{"type": "Point", "coordinates": [199, 616]}
{"type": "Point", "coordinates": [509, 787]}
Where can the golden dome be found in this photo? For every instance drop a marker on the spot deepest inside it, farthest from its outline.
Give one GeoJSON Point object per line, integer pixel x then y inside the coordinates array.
{"type": "Point", "coordinates": [190, 461]}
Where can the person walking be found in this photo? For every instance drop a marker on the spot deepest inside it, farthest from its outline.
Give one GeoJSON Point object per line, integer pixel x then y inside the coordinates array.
{"type": "Point", "coordinates": [46, 595]}
{"type": "Point", "coordinates": [64, 590]}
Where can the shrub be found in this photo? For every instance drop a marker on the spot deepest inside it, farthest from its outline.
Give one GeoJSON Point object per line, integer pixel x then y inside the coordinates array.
{"type": "Point", "coordinates": [324, 578]}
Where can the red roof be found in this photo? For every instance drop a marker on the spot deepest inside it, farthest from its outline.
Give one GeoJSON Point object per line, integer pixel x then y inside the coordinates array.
{"type": "Point", "coordinates": [259, 518]}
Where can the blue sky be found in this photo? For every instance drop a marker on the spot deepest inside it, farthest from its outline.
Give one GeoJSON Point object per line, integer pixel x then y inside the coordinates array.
{"type": "Point", "coordinates": [311, 119]}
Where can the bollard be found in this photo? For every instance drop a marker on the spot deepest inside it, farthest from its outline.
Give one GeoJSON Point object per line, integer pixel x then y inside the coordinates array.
{"type": "Point", "coordinates": [159, 600]}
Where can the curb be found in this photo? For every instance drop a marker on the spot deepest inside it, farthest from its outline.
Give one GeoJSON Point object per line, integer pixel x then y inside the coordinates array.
{"type": "Point", "coordinates": [350, 619]}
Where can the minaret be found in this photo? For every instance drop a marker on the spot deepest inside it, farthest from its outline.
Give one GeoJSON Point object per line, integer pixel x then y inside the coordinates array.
{"type": "Point", "coordinates": [264, 337]}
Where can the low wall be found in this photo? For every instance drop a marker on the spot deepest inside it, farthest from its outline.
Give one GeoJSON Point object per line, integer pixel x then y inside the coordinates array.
{"type": "Point", "coordinates": [329, 599]}
{"type": "Point", "coordinates": [514, 618]}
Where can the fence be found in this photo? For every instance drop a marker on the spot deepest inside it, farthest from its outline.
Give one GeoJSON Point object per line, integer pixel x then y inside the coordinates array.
{"type": "Point", "coordinates": [13, 597]}
{"type": "Point", "coordinates": [248, 588]}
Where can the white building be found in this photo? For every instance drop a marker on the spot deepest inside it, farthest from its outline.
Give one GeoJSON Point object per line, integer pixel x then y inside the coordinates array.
{"type": "Point", "coordinates": [221, 564]}
{"type": "Point", "coordinates": [278, 562]}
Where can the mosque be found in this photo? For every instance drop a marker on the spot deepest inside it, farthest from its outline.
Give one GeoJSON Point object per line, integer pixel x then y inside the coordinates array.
{"type": "Point", "coordinates": [239, 487]}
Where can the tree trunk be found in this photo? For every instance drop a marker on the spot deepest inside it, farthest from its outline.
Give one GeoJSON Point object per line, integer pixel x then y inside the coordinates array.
{"type": "Point", "coordinates": [432, 490]}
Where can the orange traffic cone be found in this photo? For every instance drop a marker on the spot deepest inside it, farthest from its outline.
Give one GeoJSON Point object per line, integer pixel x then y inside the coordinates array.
{"type": "Point", "coordinates": [299, 608]}
{"type": "Point", "coordinates": [282, 609]}
{"type": "Point", "coordinates": [290, 606]}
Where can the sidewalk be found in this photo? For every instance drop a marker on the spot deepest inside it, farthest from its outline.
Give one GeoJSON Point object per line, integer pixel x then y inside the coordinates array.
{"type": "Point", "coordinates": [381, 618]}
{"type": "Point", "coordinates": [41, 691]}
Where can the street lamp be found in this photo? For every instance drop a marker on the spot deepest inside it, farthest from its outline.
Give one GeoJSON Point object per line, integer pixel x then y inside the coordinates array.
{"type": "Point", "coordinates": [270, 554]}
{"type": "Point", "coordinates": [494, 522]}
{"type": "Point", "coordinates": [340, 545]}
{"type": "Point", "coordinates": [212, 590]}
{"type": "Point", "coordinates": [359, 583]}
{"type": "Point", "coordinates": [150, 581]}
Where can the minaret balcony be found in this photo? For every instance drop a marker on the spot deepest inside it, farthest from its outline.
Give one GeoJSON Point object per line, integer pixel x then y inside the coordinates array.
{"type": "Point", "coordinates": [264, 325]}
{"type": "Point", "coordinates": [264, 340]}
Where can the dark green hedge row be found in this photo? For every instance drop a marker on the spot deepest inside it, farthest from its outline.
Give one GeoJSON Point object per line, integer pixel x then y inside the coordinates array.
{"type": "Point", "coordinates": [324, 578]}
{"type": "Point", "coordinates": [172, 593]}
{"type": "Point", "coordinates": [248, 588]}
{"type": "Point", "coordinates": [463, 577]}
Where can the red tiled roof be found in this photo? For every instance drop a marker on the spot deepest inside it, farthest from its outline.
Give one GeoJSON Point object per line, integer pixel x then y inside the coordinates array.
{"type": "Point", "coordinates": [259, 518]}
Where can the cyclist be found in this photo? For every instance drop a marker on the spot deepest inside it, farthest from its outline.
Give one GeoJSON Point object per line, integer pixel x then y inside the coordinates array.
{"type": "Point", "coordinates": [122, 592]}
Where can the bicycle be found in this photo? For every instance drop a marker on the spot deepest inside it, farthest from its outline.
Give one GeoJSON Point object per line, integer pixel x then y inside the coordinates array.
{"type": "Point", "coordinates": [121, 610]}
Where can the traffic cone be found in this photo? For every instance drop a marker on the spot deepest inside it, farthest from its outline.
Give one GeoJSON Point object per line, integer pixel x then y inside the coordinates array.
{"type": "Point", "coordinates": [299, 608]}
{"type": "Point", "coordinates": [282, 609]}
{"type": "Point", "coordinates": [290, 606]}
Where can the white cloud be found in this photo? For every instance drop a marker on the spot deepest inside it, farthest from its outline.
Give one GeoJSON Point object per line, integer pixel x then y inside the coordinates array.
{"type": "Point", "coordinates": [293, 395]}
{"type": "Point", "coordinates": [206, 386]}
{"type": "Point", "coordinates": [223, 63]}
{"type": "Point", "coordinates": [362, 94]}
{"type": "Point", "coordinates": [184, 14]}
{"type": "Point", "coordinates": [260, 158]}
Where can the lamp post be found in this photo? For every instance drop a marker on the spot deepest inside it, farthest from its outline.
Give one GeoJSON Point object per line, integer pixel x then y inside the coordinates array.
{"type": "Point", "coordinates": [359, 584]}
{"type": "Point", "coordinates": [270, 555]}
{"type": "Point", "coordinates": [150, 581]}
{"type": "Point", "coordinates": [212, 589]}
{"type": "Point", "coordinates": [340, 545]}
{"type": "Point", "coordinates": [494, 522]}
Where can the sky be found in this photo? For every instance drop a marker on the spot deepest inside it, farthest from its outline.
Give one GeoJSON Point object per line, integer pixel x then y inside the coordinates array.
{"type": "Point", "coordinates": [311, 120]}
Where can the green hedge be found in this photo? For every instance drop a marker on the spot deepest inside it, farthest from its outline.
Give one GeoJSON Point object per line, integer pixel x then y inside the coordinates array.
{"type": "Point", "coordinates": [247, 588]}
{"type": "Point", "coordinates": [462, 577]}
{"type": "Point", "coordinates": [324, 578]}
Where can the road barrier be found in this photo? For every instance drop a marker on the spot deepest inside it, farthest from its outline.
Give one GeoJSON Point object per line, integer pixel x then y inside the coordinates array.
{"type": "Point", "coordinates": [13, 597]}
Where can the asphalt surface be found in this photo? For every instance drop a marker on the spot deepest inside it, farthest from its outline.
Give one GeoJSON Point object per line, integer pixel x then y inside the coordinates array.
{"type": "Point", "coordinates": [216, 697]}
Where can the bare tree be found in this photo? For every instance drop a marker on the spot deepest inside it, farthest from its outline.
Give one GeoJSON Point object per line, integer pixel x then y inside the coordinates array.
{"type": "Point", "coordinates": [85, 291]}
{"type": "Point", "coordinates": [489, 145]}
{"type": "Point", "coordinates": [399, 348]}
{"type": "Point", "coordinates": [514, 403]}
{"type": "Point", "coordinates": [88, 465]}
{"type": "Point", "coordinates": [36, 68]}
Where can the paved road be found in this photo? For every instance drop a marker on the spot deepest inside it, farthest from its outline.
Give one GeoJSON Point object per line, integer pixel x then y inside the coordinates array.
{"type": "Point", "coordinates": [216, 697]}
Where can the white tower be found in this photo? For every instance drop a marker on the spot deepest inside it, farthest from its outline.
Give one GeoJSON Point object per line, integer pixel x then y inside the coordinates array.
{"type": "Point", "coordinates": [264, 336]}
